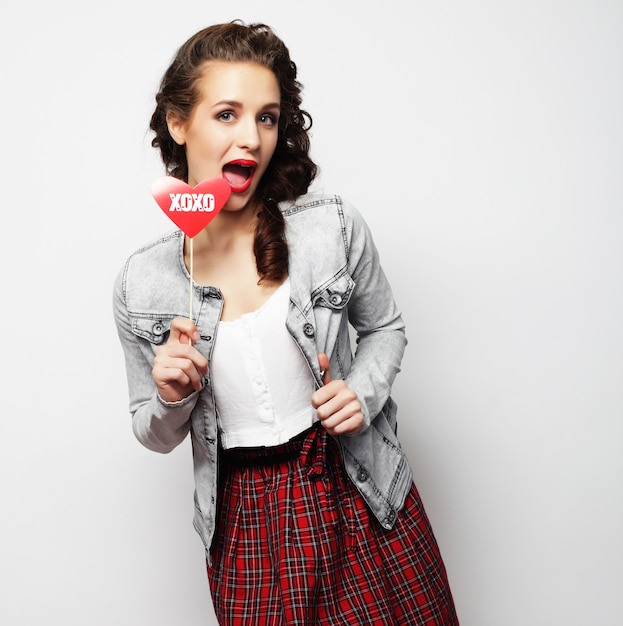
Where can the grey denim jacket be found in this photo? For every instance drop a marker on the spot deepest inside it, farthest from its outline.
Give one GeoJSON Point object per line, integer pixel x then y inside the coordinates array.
{"type": "Point", "coordinates": [335, 279]}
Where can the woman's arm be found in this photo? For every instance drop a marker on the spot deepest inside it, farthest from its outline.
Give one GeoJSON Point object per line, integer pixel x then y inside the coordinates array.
{"type": "Point", "coordinates": [374, 315]}
{"type": "Point", "coordinates": [159, 424]}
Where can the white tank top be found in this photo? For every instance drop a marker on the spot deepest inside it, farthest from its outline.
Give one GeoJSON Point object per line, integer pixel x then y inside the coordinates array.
{"type": "Point", "coordinates": [261, 380]}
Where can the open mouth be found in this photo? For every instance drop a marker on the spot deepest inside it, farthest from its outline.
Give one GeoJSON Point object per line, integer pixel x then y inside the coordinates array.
{"type": "Point", "coordinates": [239, 174]}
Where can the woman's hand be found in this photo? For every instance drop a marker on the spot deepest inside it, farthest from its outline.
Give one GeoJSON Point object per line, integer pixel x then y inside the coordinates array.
{"type": "Point", "coordinates": [336, 404]}
{"type": "Point", "coordinates": [179, 367]}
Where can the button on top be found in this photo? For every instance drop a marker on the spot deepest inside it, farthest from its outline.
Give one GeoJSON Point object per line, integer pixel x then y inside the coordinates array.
{"type": "Point", "coordinates": [362, 475]}
{"type": "Point", "coordinates": [210, 292]}
{"type": "Point", "coordinates": [158, 328]}
{"type": "Point", "coordinates": [335, 299]}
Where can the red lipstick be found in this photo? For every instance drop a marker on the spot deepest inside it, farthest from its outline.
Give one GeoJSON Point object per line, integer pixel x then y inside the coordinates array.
{"type": "Point", "coordinates": [239, 174]}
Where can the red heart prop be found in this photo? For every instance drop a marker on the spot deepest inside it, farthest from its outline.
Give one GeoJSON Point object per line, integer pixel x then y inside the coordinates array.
{"type": "Point", "coordinates": [191, 209]}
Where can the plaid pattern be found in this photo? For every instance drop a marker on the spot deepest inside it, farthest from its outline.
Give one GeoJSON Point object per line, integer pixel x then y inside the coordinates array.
{"type": "Point", "coordinates": [296, 545]}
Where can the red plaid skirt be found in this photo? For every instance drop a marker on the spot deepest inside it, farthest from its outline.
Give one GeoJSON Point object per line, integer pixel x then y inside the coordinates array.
{"type": "Point", "coordinates": [295, 544]}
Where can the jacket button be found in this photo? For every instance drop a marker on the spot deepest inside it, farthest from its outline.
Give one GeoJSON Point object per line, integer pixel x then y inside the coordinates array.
{"type": "Point", "coordinates": [308, 329]}
{"type": "Point", "coordinates": [158, 328]}
{"type": "Point", "coordinates": [391, 516]}
{"type": "Point", "coordinates": [362, 475]}
{"type": "Point", "coordinates": [335, 299]}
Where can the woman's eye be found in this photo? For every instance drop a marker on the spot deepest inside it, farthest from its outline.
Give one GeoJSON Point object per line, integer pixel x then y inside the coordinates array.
{"type": "Point", "coordinates": [269, 119]}
{"type": "Point", "coordinates": [226, 116]}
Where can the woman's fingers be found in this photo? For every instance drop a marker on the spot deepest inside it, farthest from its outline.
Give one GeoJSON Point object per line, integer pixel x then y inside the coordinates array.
{"type": "Point", "coordinates": [338, 408]}
{"type": "Point", "coordinates": [179, 367]}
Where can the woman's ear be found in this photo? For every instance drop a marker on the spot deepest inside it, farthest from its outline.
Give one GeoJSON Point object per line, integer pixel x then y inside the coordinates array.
{"type": "Point", "coordinates": [177, 129]}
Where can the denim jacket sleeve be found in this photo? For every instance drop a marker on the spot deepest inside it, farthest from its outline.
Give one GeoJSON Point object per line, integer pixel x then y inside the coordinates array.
{"type": "Point", "coordinates": [373, 458]}
{"type": "Point", "coordinates": [337, 281]}
{"type": "Point", "coordinates": [373, 313]}
{"type": "Point", "coordinates": [158, 425]}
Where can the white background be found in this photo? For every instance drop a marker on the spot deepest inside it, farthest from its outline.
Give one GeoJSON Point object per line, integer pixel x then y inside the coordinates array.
{"type": "Point", "coordinates": [483, 142]}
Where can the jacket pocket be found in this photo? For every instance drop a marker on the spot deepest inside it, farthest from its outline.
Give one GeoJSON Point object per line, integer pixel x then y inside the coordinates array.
{"type": "Point", "coordinates": [153, 329]}
{"type": "Point", "coordinates": [336, 294]}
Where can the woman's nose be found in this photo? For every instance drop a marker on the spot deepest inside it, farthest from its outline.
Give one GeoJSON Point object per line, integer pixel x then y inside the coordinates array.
{"type": "Point", "coordinates": [248, 135]}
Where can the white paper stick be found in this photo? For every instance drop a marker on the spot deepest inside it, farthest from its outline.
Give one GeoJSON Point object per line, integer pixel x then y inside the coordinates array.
{"type": "Point", "coordinates": [190, 297]}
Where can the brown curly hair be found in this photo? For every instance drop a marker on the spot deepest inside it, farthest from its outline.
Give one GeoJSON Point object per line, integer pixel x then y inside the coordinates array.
{"type": "Point", "coordinates": [291, 169]}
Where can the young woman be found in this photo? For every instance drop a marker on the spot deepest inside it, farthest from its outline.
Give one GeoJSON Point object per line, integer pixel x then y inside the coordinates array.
{"type": "Point", "coordinates": [304, 498]}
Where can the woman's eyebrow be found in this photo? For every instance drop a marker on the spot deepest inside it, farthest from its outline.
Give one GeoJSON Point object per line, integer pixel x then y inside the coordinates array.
{"type": "Point", "coordinates": [236, 104]}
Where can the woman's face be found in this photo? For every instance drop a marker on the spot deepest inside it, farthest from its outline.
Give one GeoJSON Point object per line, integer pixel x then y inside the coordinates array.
{"type": "Point", "coordinates": [232, 131]}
